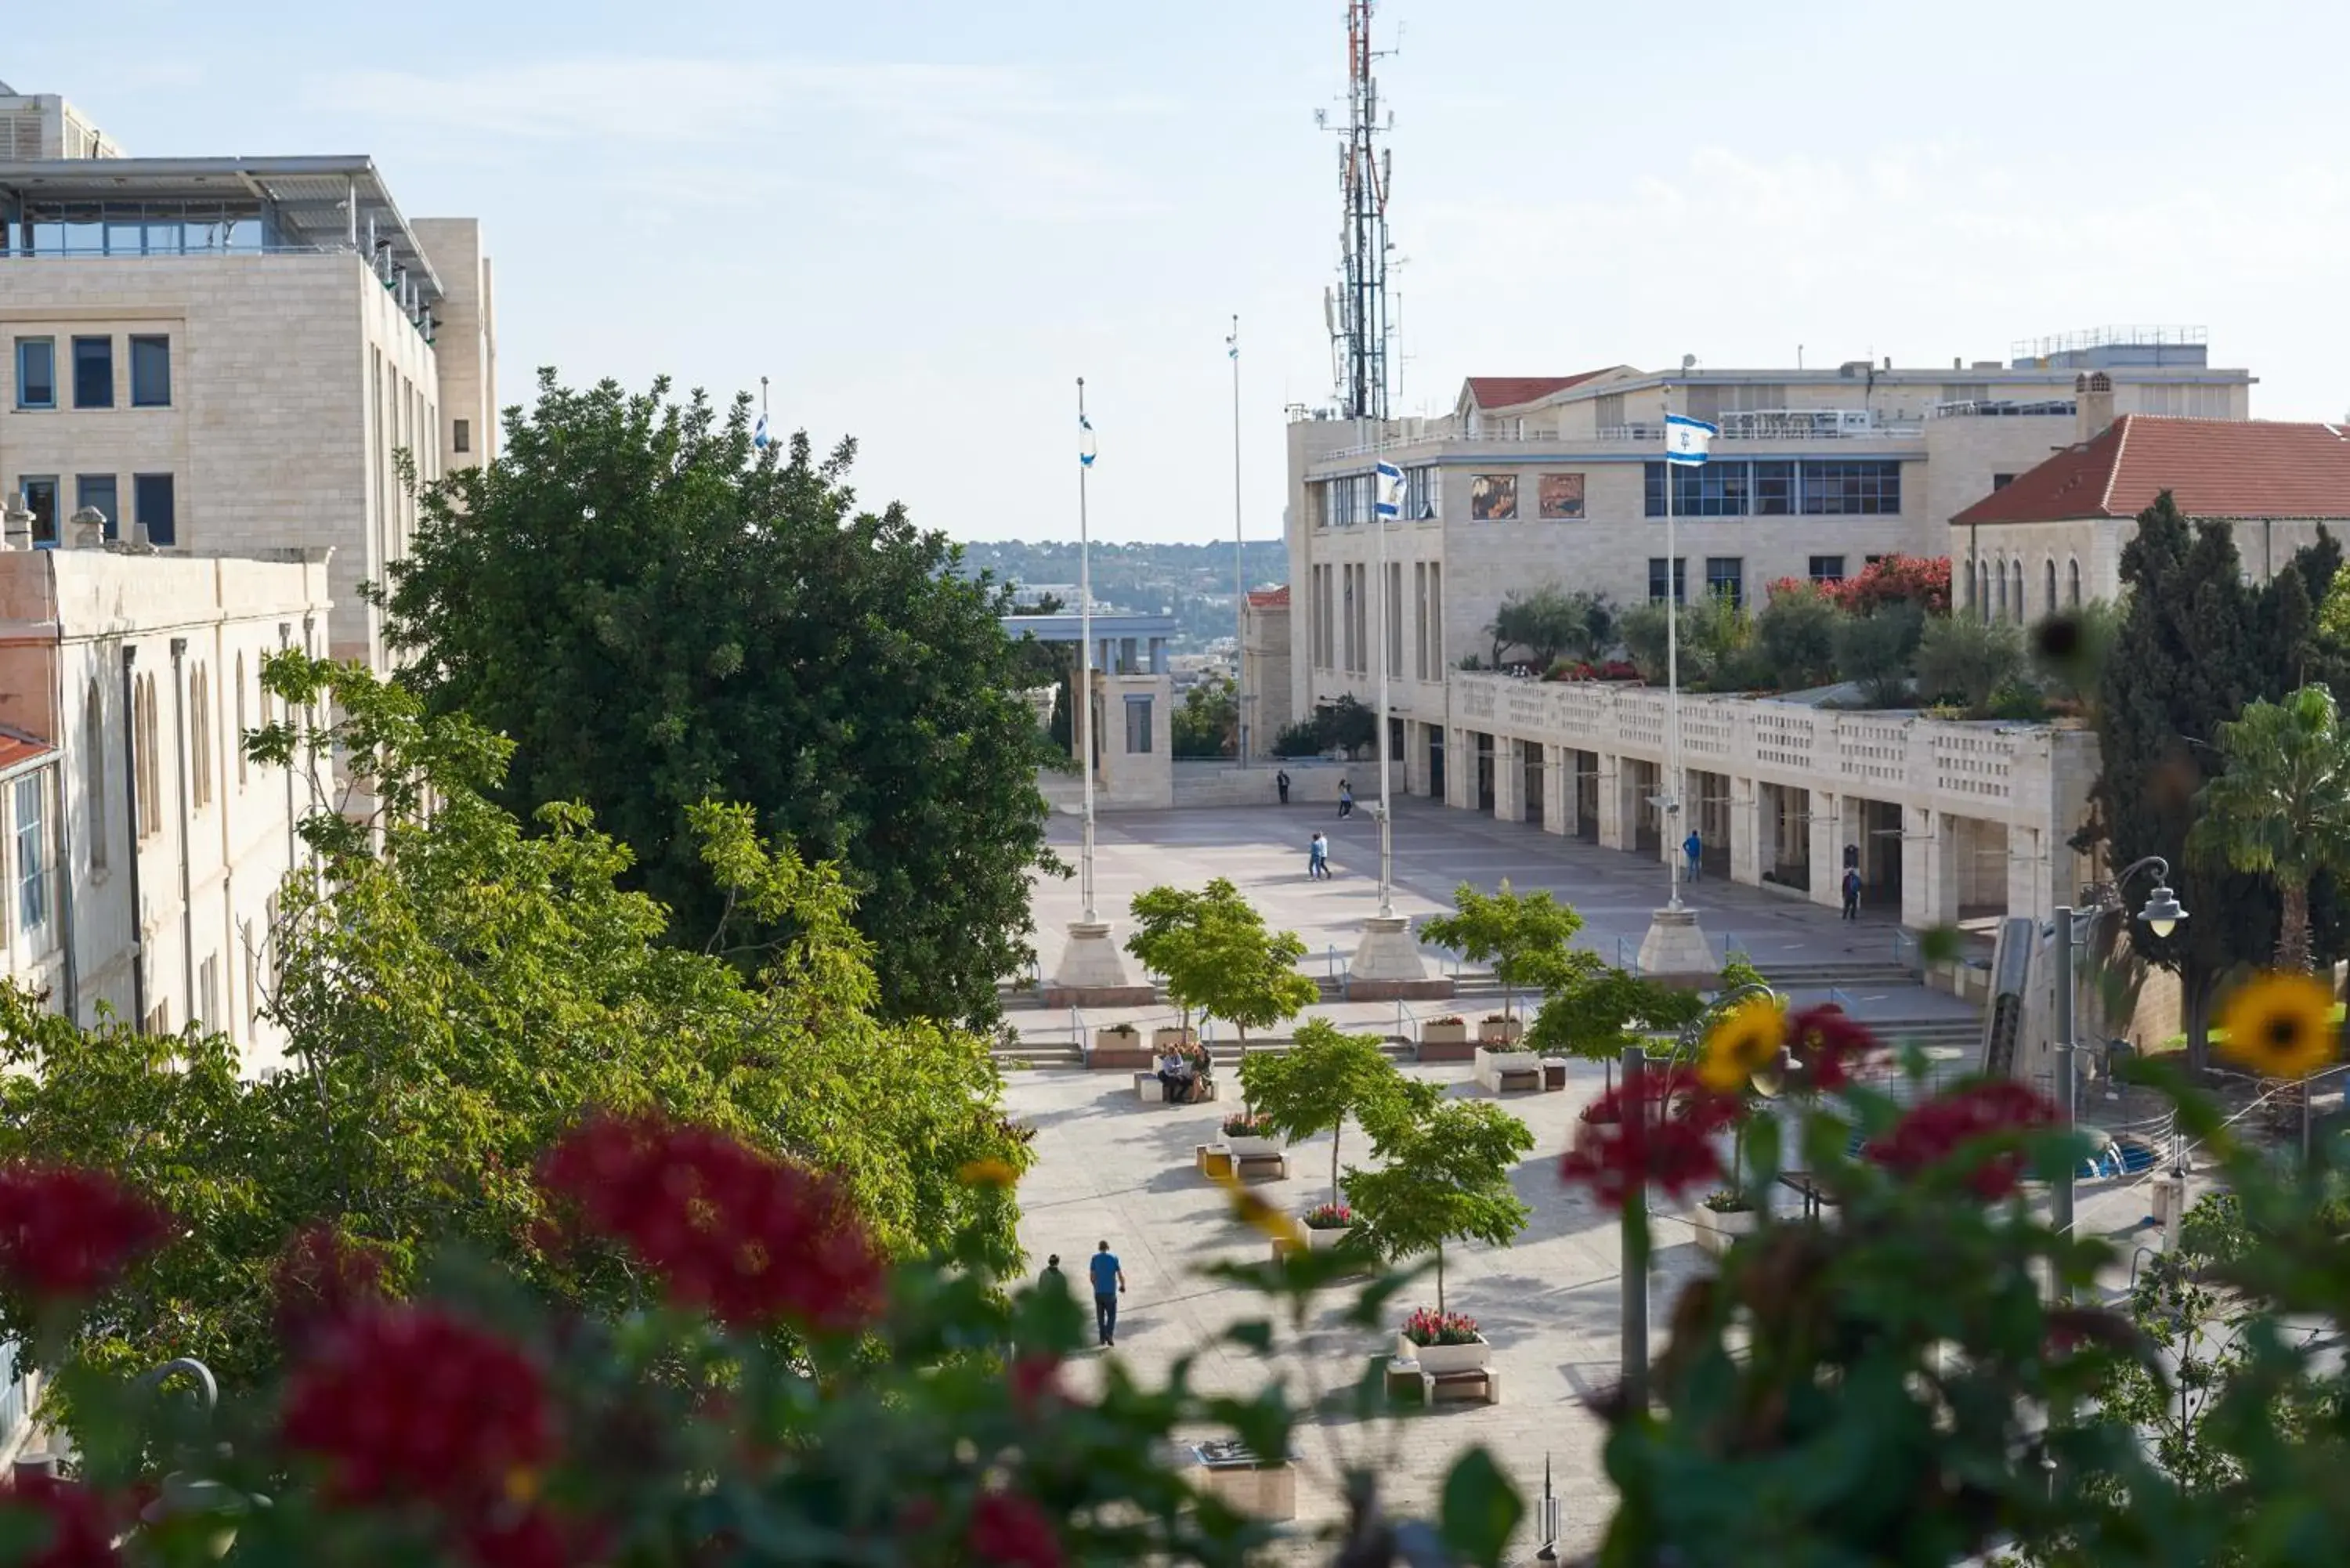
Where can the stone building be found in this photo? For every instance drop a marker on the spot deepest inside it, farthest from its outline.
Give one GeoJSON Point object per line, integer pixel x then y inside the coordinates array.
{"type": "Point", "coordinates": [231, 355]}
{"type": "Point", "coordinates": [1265, 694]}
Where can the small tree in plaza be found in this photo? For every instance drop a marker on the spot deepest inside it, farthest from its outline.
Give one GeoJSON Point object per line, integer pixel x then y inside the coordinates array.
{"type": "Point", "coordinates": [1330, 1077]}
{"type": "Point", "coordinates": [1218, 957]}
{"type": "Point", "coordinates": [1446, 1178]}
{"type": "Point", "coordinates": [1520, 934]}
{"type": "Point", "coordinates": [2281, 810]}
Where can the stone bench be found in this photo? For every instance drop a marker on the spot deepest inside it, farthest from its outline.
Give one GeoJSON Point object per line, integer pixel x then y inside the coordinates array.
{"type": "Point", "coordinates": [1261, 1168]}
{"type": "Point", "coordinates": [1149, 1089]}
{"type": "Point", "coordinates": [1406, 1382]}
{"type": "Point", "coordinates": [1518, 1081]}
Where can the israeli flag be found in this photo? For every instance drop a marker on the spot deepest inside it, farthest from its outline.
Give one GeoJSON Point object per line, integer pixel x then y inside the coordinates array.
{"type": "Point", "coordinates": [759, 436]}
{"type": "Point", "coordinates": [1085, 442]}
{"type": "Point", "coordinates": [1686, 438]}
{"type": "Point", "coordinates": [1390, 503]}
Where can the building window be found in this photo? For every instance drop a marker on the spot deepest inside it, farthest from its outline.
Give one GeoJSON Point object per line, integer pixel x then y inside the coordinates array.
{"type": "Point", "coordinates": [93, 761]}
{"type": "Point", "coordinates": [2050, 574]}
{"type": "Point", "coordinates": [1871, 560]}
{"type": "Point", "coordinates": [1657, 589]}
{"type": "Point", "coordinates": [2016, 569]}
{"type": "Point", "coordinates": [98, 489]}
{"type": "Point", "coordinates": [93, 368]}
{"type": "Point", "coordinates": [158, 501]}
{"type": "Point", "coordinates": [150, 372]}
{"type": "Point", "coordinates": [1841, 488]}
{"type": "Point", "coordinates": [1420, 497]}
{"type": "Point", "coordinates": [1138, 725]}
{"type": "Point", "coordinates": [1730, 488]}
{"type": "Point", "coordinates": [208, 993]}
{"type": "Point", "coordinates": [32, 854]}
{"type": "Point", "coordinates": [464, 440]}
{"type": "Point", "coordinates": [1726, 578]}
{"type": "Point", "coordinates": [2074, 569]}
{"type": "Point", "coordinates": [36, 372]}
{"type": "Point", "coordinates": [199, 747]}
{"type": "Point", "coordinates": [2002, 480]}
{"type": "Point", "coordinates": [1774, 489]}
{"type": "Point", "coordinates": [1827, 568]}
{"type": "Point", "coordinates": [150, 777]}
{"type": "Point", "coordinates": [1699, 490]}
{"type": "Point", "coordinates": [236, 741]}
{"type": "Point", "coordinates": [40, 493]}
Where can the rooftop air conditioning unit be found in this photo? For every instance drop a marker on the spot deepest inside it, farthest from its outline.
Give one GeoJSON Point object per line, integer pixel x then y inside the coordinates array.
{"type": "Point", "coordinates": [1852, 370]}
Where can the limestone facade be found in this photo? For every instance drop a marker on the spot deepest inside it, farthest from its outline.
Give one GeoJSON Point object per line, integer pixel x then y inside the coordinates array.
{"type": "Point", "coordinates": [1265, 697]}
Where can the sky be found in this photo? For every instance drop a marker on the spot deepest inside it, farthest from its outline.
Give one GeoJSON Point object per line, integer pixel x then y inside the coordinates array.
{"type": "Point", "coordinates": [923, 221]}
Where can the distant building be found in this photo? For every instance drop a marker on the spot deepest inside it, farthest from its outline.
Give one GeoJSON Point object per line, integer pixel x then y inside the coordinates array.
{"type": "Point", "coordinates": [1266, 704]}
{"type": "Point", "coordinates": [229, 355]}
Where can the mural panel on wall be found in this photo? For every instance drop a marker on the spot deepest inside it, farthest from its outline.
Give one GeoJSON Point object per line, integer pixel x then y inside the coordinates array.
{"type": "Point", "coordinates": [1559, 497]}
{"type": "Point", "coordinates": [1493, 497]}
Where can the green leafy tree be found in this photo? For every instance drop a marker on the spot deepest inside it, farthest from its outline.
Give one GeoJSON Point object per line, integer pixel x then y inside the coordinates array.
{"type": "Point", "coordinates": [1876, 652]}
{"type": "Point", "coordinates": [1552, 622]}
{"type": "Point", "coordinates": [1206, 721]}
{"type": "Point", "coordinates": [1714, 633]}
{"type": "Point", "coordinates": [456, 990]}
{"type": "Point", "coordinates": [1591, 1010]}
{"type": "Point", "coordinates": [1218, 957]}
{"type": "Point", "coordinates": [2282, 809]}
{"type": "Point", "coordinates": [1969, 658]}
{"type": "Point", "coordinates": [1795, 632]}
{"type": "Point", "coordinates": [1445, 1176]}
{"type": "Point", "coordinates": [1346, 725]}
{"type": "Point", "coordinates": [1513, 932]}
{"type": "Point", "coordinates": [1327, 1077]}
{"type": "Point", "coordinates": [658, 615]}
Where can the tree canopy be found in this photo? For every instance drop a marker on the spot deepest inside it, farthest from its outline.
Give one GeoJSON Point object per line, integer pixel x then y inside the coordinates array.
{"type": "Point", "coordinates": [1217, 956]}
{"type": "Point", "coordinates": [2282, 808]}
{"type": "Point", "coordinates": [657, 614]}
{"type": "Point", "coordinates": [1519, 934]}
{"type": "Point", "coordinates": [457, 991]}
{"type": "Point", "coordinates": [1445, 1178]}
{"type": "Point", "coordinates": [1552, 622]}
{"type": "Point", "coordinates": [1325, 1078]}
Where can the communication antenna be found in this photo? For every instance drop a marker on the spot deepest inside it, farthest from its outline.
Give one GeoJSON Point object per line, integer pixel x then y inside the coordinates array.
{"type": "Point", "coordinates": [1362, 331]}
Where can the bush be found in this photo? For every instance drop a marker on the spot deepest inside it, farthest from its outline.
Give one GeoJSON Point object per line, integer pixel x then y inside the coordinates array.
{"type": "Point", "coordinates": [1875, 651]}
{"type": "Point", "coordinates": [1712, 633]}
{"type": "Point", "coordinates": [1969, 660]}
{"type": "Point", "coordinates": [1795, 634]}
{"type": "Point", "coordinates": [1301, 739]}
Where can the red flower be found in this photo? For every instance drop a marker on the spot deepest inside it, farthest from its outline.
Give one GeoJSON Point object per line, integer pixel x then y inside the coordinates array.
{"type": "Point", "coordinates": [1013, 1532]}
{"type": "Point", "coordinates": [1826, 1044]}
{"type": "Point", "coordinates": [1663, 1134]}
{"type": "Point", "coordinates": [535, 1538]}
{"type": "Point", "coordinates": [67, 1234]}
{"type": "Point", "coordinates": [750, 1238]}
{"type": "Point", "coordinates": [412, 1402]}
{"type": "Point", "coordinates": [79, 1535]}
{"type": "Point", "coordinates": [1035, 1383]}
{"type": "Point", "coordinates": [1930, 1132]}
{"type": "Point", "coordinates": [320, 1279]}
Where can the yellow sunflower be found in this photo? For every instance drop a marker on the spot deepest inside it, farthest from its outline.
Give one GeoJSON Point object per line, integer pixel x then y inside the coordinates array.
{"type": "Point", "coordinates": [1254, 1210]}
{"type": "Point", "coordinates": [2280, 1025]}
{"type": "Point", "coordinates": [987, 1173]}
{"type": "Point", "coordinates": [1747, 1040]}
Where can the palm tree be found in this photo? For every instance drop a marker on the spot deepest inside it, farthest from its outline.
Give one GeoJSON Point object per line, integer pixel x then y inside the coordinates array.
{"type": "Point", "coordinates": [2282, 809]}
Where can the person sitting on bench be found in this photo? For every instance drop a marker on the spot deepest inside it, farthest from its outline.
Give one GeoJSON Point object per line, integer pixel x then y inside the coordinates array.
{"type": "Point", "coordinates": [1177, 1076]}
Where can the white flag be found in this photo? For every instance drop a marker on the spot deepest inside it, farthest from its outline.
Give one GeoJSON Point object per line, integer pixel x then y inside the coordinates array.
{"type": "Point", "coordinates": [1686, 438]}
{"type": "Point", "coordinates": [759, 436]}
{"type": "Point", "coordinates": [1390, 503]}
{"type": "Point", "coordinates": [1085, 442]}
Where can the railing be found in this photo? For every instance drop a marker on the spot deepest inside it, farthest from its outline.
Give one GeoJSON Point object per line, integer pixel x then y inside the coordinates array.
{"type": "Point", "coordinates": [1779, 425]}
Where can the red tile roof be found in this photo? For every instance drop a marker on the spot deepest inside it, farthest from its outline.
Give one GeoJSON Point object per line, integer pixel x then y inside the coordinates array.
{"type": "Point", "coordinates": [1509, 391]}
{"type": "Point", "coordinates": [15, 748]}
{"type": "Point", "coordinates": [1270, 598]}
{"type": "Point", "coordinates": [2212, 468]}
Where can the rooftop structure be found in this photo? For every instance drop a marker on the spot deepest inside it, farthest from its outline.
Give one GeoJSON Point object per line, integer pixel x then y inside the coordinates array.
{"type": "Point", "coordinates": [43, 125]}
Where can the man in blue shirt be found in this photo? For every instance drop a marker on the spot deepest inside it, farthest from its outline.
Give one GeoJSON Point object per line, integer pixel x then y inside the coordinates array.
{"type": "Point", "coordinates": [1110, 1283]}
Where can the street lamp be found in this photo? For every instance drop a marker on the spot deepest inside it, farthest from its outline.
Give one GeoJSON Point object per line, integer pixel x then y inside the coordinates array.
{"type": "Point", "coordinates": [2161, 916]}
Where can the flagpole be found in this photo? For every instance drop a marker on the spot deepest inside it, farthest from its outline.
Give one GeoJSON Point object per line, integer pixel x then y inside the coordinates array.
{"type": "Point", "coordinates": [1239, 566]}
{"type": "Point", "coordinates": [1671, 792]}
{"type": "Point", "coordinates": [1084, 668]}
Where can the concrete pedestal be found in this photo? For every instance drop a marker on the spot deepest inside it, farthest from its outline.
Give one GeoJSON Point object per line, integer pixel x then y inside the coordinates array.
{"type": "Point", "coordinates": [1387, 965]}
{"type": "Point", "coordinates": [1675, 952]}
{"type": "Point", "coordinates": [1093, 972]}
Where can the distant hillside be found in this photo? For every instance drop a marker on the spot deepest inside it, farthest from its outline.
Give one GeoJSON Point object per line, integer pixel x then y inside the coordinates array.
{"type": "Point", "coordinates": [1194, 582]}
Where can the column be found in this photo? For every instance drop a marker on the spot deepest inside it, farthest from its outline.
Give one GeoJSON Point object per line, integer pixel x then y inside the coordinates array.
{"type": "Point", "coordinates": [1746, 829]}
{"type": "Point", "coordinates": [1461, 769]}
{"type": "Point", "coordinates": [1827, 848]}
{"type": "Point", "coordinates": [1617, 825]}
{"type": "Point", "coordinates": [1558, 790]}
{"type": "Point", "coordinates": [1415, 757]}
{"type": "Point", "coordinates": [2031, 881]}
{"type": "Point", "coordinates": [1509, 780]}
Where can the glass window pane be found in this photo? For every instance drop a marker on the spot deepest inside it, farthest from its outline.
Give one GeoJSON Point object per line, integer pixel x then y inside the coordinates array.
{"type": "Point", "coordinates": [37, 373]}
{"type": "Point", "coordinates": [32, 858]}
{"type": "Point", "coordinates": [125, 237]}
{"type": "Point", "coordinates": [150, 372]}
{"type": "Point", "coordinates": [98, 490]}
{"type": "Point", "coordinates": [244, 235]}
{"type": "Point", "coordinates": [158, 507]}
{"type": "Point", "coordinates": [40, 493]}
{"type": "Point", "coordinates": [93, 372]}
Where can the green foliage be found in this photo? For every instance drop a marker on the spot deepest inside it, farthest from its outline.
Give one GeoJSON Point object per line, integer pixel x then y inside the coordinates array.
{"type": "Point", "coordinates": [2069, 652]}
{"type": "Point", "coordinates": [1592, 1010]}
{"type": "Point", "coordinates": [1519, 934]}
{"type": "Point", "coordinates": [2282, 808]}
{"type": "Point", "coordinates": [1550, 623]}
{"type": "Point", "coordinates": [1795, 633]}
{"type": "Point", "coordinates": [1713, 632]}
{"type": "Point", "coordinates": [658, 615]}
{"type": "Point", "coordinates": [1346, 725]}
{"type": "Point", "coordinates": [1216, 956]}
{"type": "Point", "coordinates": [1968, 659]}
{"type": "Point", "coordinates": [1206, 722]}
{"type": "Point", "coordinates": [456, 990]}
{"type": "Point", "coordinates": [1325, 1078]}
{"type": "Point", "coordinates": [1875, 651]}
{"type": "Point", "coordinates": [1445, 1178]}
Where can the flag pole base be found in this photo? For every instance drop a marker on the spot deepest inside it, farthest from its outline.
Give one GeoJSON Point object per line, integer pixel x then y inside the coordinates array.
{"type": "Point", "coordinates": [1093, 972]}
{"type": "Point", "coordinates": [1675, 952]}
{"type": "Point", "coordinates": [1387, 965]}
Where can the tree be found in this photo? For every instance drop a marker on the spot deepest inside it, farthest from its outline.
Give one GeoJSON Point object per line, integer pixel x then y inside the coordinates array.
{"type": "Point", "coordinates": [1795, 633]}
{"type": "Point", "coordinates": [2194, 644]}
{"type": "Point", "coordinates": [1327, 1077]}
{"type": "Point", "coordinates": [657, 614]}
{"type": "Point", "coordinates": [1217, 956]}
{"type": "Point", "coordinates": [457, 991]}
{"type": "Point", "coordinates": [1206, 721]}
{"type": "Point", "coordinates": [1922, 581]}
{"type": "Point", "coordinates": [1875, 650]}
{"type": "Point", "coordinates": [1551, 622]}
{"type": "Point", "coordinates": [1711, 632]}
{"type": "Point", "coordinates": [1446, 1177]}
{"type": "Point", "coordinates": [2282, 809]}
{"type": "Point", "coordinates": [1969, 658]}
{"type": "Point", "coordinates": [1592, 1010]}
{"type": "Point", "coordinates": [1346, 725]}
{"type": "Point", "coordinates": [1512, 932]}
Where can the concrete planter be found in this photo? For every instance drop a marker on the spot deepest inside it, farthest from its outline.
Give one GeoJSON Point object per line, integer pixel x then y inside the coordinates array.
{"type": "Point", "coordinates": [1120, 1050]}
{"type": "Point", "coordinates": [1251, 1148]}
{"type": "Point", "coordinates": [1444, 1042]}
{"type": "Point", "coordinates": [1492, 1064]}
{"type": "Point", "coordinates": [1316, 1241]}
{"type": "Point", "coordinates": [1162, 1038]}
{"type": "Point", "coordinates": [1506, 1032]}
{"type": "Point", "coordinates": [1435, 1360]}
{"type": "Point", "coordinates": [1717, 1229]}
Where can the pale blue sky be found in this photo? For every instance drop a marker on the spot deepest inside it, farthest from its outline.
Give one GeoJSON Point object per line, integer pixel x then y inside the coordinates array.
{"type": "Point", "coordinates": [924, 220]}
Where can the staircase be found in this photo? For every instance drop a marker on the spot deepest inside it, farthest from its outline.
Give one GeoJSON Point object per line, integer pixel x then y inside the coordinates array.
{"type": "Point", "coordinates": [1850, 975]}
{"type": "Point", "coordinates": [1052, 1047]}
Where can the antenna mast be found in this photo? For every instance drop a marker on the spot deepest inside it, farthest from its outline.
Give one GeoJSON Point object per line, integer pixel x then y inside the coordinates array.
{"type": "Point", "coordinates": [1360, 326]}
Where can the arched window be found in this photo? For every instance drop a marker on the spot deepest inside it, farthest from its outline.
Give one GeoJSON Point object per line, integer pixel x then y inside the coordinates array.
{"type": "Point", "coordinates": [1999, 574]}
{"type": "Point", "coordinates": [93, 761]}
{"type": "Point", "coordinates": [2050, 575]}
{"type": "Point", "coordinates": [151, 773]}
{"type": "Point", "coordinates": [2015, 570]}
{"type": "Point", "coordinates": [237, 740]}
{"type": "Point", "coordinates": [2074, 567]}
{"type": "Point", "coordinates": [199, 747]}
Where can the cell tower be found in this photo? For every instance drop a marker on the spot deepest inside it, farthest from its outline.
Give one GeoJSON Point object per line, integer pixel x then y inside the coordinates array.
{"type": "Point", "coordinates": [1356, 311]}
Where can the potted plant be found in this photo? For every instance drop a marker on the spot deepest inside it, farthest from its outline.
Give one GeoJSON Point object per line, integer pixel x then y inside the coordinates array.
{"type": "Point", "coordinates": [1444, 1039]}
{"type": "Point", "coordinates": [1119, 1046]}
{"type": "Point", "coordinates": [1248, 1134]}
{"type": "Point", "coordinates": [1724, 1216]}
{"type": "Point", "coordinates": [1175, 1034]}
{"type": "Point", "coordinates": [1446, 1177]}
{"type": "Point", "coordinates": [1327, 1225]}
{"type": "Point", "coordinates": [1499, 1029]}
{"type": "Point", "coordinates": [1443, 1341]}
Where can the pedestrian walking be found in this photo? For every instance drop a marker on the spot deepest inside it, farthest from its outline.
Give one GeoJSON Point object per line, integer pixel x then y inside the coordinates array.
{"type": "Point", "coordinates": [1110, 1283]}
{"type": "Point", "coordinates": [1051, 1279]}
{"type": "Point", "coordinates": [1694, 847]}
{"type": "Point", "coordinates": [1281, 782]}
{"type": "Point", "coordinates": [1317, 858]}
{"type": "Point", "coordinates": [1346, 798]}
{"type": "Point", "coordinates": [1851, 894]}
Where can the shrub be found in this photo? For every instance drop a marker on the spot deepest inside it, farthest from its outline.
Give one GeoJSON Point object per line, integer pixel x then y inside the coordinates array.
{"type": "Point", "coordinates": [1429, 1326]}
{"type": "Point", "coordinates": [1449, 1020]}
{"type": "Point", "coordinates": [1722, 1200]}
{"type": "Point", "coordinates": [1298, 739]}
{"type": "Point", "coordinates": [2019, 703]}
{"type": "Point", "coordinates": [1968, 659]}
{"type": "Point", "coordinates": [1329, 1217]}
{"type": "Point", "coordinates": [1919, 580]}
{"type": "Point", "coordinates": [1712, 632]}
{"type": "Point", "coordinates": [1876, 652]}
{"type": "Point", "coordinates": [1795, 634]}
{"type": "Point", "coordinates": [1248, 1124]}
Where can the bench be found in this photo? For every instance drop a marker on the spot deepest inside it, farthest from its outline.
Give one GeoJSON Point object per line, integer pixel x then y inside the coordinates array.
{"type": "Point", "coordinates": [1263, 1168]}
{"type": "Point", "coordinates": [1149, 1089]}
{"type": "Point", "coordinates": [1406, 1381]}
{"type": "Point", "coordinates": [1518, 1081]}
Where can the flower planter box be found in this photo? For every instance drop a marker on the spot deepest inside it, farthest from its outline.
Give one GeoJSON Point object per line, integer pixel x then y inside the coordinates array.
{"type": "Point", "coordinates": [1162, 1038]}
{"type": "Point", "coordinates": [1445, 1043]}
{"type": "Point", "coordinates": [1250, 1147]}
{"type": "Point", "coordinates": [1120, 1050]}
{"type": "Point", "coordinates": [1505, 1033]}
{"type": "Point", "coordinates": [1318, 1241]}
{"type": "Point", "coordinates": [1437, 1360]}
{"type": "Point", "coordinates": [1716, 1231]}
